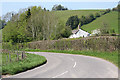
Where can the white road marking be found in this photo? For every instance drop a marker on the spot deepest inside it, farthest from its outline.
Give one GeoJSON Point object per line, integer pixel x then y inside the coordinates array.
{"type": "Point", "coordinates": [60, 74]}
{"type": "Point", "coordinates": [74, 65]}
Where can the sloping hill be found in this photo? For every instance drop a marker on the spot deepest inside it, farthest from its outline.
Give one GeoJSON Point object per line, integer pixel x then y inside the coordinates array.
{"type": "Point", "coordinates": [64, 15]}
{"type": "Point", "coordinates": [111, 19]}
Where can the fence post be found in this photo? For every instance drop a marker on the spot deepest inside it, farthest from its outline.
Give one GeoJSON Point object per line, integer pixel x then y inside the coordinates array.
{"type": "Point", "coordinates": [22, 55]}
{"type": "Point", "coordinates": [6, 58]}
{"type": "Point", "coordinates": [9, 56]}
{"type": "Point", "coordinates": [17, 56]}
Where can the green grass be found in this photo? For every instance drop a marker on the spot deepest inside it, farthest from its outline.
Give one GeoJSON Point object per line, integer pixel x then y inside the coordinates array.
{"type": "Point", "coordinates": [110, 18]}
{"type": "Point", "coordinates": [0, 64]}
{"type": "Point", "coordinates": [0, 39]}
{"type": "Point", "coordinates": [110, 56]}
{"type": "Point", "coordinates": [15, 67]}
{"type": "Point", "coordinates": [64, 15]}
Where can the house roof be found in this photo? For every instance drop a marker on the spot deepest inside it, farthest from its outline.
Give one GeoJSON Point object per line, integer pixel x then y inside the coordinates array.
{"type": "Point", "coordinates": [79, 33]}
{"type": "Point", "coordinates": [74, 31]}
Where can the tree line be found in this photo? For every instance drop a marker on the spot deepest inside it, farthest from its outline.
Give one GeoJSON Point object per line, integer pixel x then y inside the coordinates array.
{"type": "Point", "coordinates": [116, 8]}
{"type": "Point", "coordinates": [2, 23]}
{"type": "Point", "coordinates": [58, 7]}
{"type": "Point", "coordinates": [74, 21]}
{"type": "Point", "coordinates": [34, 23]}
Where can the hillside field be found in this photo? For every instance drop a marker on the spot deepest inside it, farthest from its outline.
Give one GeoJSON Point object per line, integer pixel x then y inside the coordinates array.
{"type": "Point", "coordinates": [64, 15]}
{"type": "Point", "coordinates": [111, 19]}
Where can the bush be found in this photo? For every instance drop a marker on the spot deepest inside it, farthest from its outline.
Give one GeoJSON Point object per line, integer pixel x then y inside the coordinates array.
{"type": "Point", "coordinates": [101, 43]}
{"type": "Point", "coordinates": [90, 18]}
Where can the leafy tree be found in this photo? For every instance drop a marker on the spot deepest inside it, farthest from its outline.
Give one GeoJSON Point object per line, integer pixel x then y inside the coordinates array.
{"type": "Point", "coordinates": [34, 24]}
{"type": "Point", "coordinates": [83, 20]}
{"type": "Point", "coordinates": [116, 8]}
{"type": "Point", "coordinates": [28, 14]}
{"type": "Point", "coordinates": [108, 10]}
{"type": "Point", "coordinates": [59, 7]}
{"type": "Point", "coordinates": [44, 9]}
{"type": "Point", "coordinates": [7, 17]}
{"type": "Point", "coordinates": [97, 15]}
{"type": "Point", "coordinates": [66, 32]}
{"type": "Point", "coordinates": [89, 19]}
{"type": "Point", "coordinates": [91, 16]}
{"type": "Point", "coordinates": [10, 33]}
{"type": "Point", "coordinates": [2, 24]}
{"type": "Point", "coordinates": [73, 22]}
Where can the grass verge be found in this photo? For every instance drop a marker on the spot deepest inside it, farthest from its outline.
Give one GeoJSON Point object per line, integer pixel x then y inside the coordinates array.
{"type": "Point", "coordinates": [109, 56]}
{"type": "Point", "coordinates": [14, 67]}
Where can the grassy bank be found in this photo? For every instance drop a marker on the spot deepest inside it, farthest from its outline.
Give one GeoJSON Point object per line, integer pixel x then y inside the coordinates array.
{"type": "Point", "coordinates": [110, 56]}
{"type": "Point", "coordinates": [64, 15]}
{"type": "Point", "coordinates": [111, 19]}
{"type": "Point", "coordinates": [15, 67]}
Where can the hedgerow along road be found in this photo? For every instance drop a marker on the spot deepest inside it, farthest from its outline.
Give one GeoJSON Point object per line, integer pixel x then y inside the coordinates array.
{"type": "Point", "coordinates": [61, 65]}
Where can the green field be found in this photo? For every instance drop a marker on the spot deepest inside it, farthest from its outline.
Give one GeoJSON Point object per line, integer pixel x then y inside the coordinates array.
{"type": "Point", "coordinates": [64, 15]}
{"type": "Point", "coordinates": [111, 19]}
{"type": "Point", "coordinates": [15, 67]}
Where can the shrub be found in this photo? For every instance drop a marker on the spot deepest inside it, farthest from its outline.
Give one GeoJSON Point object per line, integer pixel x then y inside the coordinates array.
{"type": "Point", "coordinates": [101, 43]}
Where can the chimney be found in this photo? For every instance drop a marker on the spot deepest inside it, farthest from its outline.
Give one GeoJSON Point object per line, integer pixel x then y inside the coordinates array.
{"type": "Point", "coordinates": [78, 27]}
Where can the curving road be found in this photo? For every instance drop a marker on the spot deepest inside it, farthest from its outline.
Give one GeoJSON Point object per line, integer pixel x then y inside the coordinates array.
{"type": "Point", "coordinates": [71, 66]}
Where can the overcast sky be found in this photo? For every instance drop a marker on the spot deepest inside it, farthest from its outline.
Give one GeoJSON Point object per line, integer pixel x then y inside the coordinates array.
{"type": "Point", "coordinates": [15, 5]}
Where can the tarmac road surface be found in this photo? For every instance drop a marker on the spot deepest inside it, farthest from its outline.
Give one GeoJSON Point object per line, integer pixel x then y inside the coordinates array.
{"type": "Point", "coordinates": [61, 65]}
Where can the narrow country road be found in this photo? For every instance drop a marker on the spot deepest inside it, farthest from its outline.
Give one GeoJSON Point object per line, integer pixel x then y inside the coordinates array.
{"type": "Point", "coordinates": [71, 66]}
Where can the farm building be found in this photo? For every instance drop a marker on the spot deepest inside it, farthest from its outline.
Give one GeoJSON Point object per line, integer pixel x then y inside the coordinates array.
{"type": "Point", "coordinates": [79, 33]}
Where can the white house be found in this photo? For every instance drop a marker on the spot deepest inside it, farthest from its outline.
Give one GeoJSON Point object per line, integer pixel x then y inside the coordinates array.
{"type": "Point", "coordinates": [79, 33]}
{"type": "Point", "coordinates": [96, 31]}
